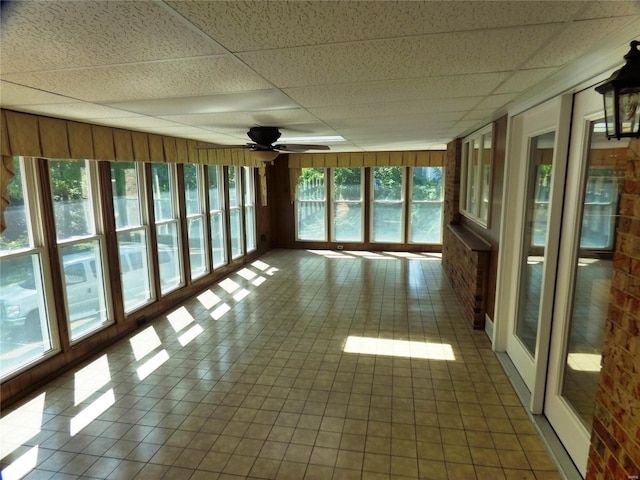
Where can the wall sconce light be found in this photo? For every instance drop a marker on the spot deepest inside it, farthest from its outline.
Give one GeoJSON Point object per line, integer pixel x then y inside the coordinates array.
{"type": "Point", "coordinates": [621, 93]}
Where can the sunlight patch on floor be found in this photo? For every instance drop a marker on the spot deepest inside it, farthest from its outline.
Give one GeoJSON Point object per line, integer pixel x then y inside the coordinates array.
{"type": "Point", "coordinates": [399, 348]}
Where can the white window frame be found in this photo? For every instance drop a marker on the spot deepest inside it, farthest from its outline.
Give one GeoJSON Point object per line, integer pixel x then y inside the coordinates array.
{"type": "Point", "coordinates": [173, 188]}
{"type": "Point", "coordinates": [323, 201]}
{"type": "Point", "coordinates": [249, 191]}
{"type": "Point", "coordinates": [402, 202]}
{"type": "Point", "coordinates": [201, 215]}
{"type": "Point", "coordinates": [238, 207]}
{"type": "Point", "coordinates": [476, 185]}
{"type": "Point", "coordinates": [35, 222]}
{"type": "Point", "coordinates": [411, 202]}
{"type": "Point", "coordinates": [221, 212]}
{"type": "Point", "coordinates": [360, 202]}
{"type": "Point", "coordinates": [99, 237]}
{"type": "Point", "coordinates": [144, 227]}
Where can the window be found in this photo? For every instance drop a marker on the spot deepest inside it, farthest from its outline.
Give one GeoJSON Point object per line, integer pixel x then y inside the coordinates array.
{"type": "Point", "coordinates": [216, 216]}
{"type": "Point", "coordinates": [387, 210]}
{"type": "Point", "coordinates": [163, 176]}
{"type": "Point", "coordinates": [235, 213]}
{"type": "Point", "coordinates": [311, 205]}
{"type": "Point", "coordinates": [425, 221]}
{"type": "Point", "coordinates": [25, 320]}
{"type": "Point", "coordinates": [129, 206]}
{"type": "Point", "coordinates": [475, 188]}
{"type": "Point", "coordinates": [347, 198]}
{"type": "Point", "coordinates": [250, 208]}
{"type": "Point", "coordinates": [194, 198]}
{"type": "Point", "coordinates": [80, 244]}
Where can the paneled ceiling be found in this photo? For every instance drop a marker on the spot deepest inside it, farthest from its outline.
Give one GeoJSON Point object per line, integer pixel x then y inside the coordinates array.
{"type": "Point", "coordinates": [383, 75]}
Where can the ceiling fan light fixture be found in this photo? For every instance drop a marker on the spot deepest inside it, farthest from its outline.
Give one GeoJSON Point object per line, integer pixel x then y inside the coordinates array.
{"type": "Point", "coordinates": [265, 156]}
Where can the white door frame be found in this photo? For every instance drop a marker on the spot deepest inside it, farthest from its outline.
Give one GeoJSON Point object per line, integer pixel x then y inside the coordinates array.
{"type": "Point", "coordinates": [553, 115]}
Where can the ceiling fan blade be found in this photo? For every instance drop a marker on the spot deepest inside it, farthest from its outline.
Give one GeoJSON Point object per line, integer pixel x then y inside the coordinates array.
{"type": "Point", "coordinates": [299, 147]}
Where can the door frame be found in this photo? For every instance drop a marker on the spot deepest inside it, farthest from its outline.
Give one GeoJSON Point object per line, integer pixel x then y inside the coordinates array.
{"type": "Point", "coordinates": [553, 115]}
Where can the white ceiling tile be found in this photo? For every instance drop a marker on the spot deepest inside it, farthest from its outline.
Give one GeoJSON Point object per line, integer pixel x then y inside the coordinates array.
{"type": "Point", "coordinates": [12, 94]}
{"type": "Point", "coordinates": [523, 79]}
{"type": "Point", "coordinates": [495, 102]}
{"type": "Point", "coordinates": [183, 131]}
{"type": "Point", "coordinates": [55, 35]}
{"type": "Point", "coordinates": [397, 90]}
{"type": "Point", "coordinates": [575, 40]}
{"type": "Point", "coordinates": [443, 109]}
{"type": "Point", "coordinates": [202, 76]}
{"type": "Point", "coordinates": [289, 24]}
{"type": "Point", "coordinates": [246, 119]}
{"type": "Point", "coordinates": [136, 122]}
{"type": "Point", "coordinates": [78, 110]}
{"type": "Point", "coordinates": [432, 55]}
{"type": "Point", "coordinates": [610, 8]}
{"type": "Point", "coordinates": [260, 100]}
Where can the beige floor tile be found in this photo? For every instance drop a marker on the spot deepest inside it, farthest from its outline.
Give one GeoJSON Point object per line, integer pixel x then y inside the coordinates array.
{"type": "Point", "coordinates": [266, 391]}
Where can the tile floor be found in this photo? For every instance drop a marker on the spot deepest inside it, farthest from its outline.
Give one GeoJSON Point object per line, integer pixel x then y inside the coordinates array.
{"type": "Point", "coordinates": [260, 377]}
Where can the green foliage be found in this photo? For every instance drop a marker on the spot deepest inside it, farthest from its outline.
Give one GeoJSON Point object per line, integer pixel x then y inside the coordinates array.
{"type": "Point", "coordinates": [68, 179]}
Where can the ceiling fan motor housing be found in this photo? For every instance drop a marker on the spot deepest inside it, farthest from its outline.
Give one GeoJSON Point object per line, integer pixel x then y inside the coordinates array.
{"type": "Point", "coordinates": [264, 136]}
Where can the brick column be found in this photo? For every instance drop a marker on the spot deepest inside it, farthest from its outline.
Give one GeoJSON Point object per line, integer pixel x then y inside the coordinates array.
{"type": "Point", "coordinates": [615, 440]}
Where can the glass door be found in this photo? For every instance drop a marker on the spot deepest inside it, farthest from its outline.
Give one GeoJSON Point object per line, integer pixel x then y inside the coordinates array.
{"type": "Point", "coordinates": [529, 256]}
{"type": "Point", "coordinates": [594, 184]}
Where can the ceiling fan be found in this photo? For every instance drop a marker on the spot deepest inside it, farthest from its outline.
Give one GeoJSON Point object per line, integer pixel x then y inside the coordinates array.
{"type": "Point", "coordinates": [264, 147]}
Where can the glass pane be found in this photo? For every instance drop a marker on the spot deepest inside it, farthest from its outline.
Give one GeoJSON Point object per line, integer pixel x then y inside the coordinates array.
{"type": "Point", "coordinates": [593, 272]}
{"type": "Point", "coordinates": [387, 222]}
{"type": "Point", "coordinates": [311, 205]}
{"type": "Point", "coordinates": [16, 235]}
{"type": "Point", "coordinates": [347, 222]}
{"type": "Point", "coordinates": [312, 221]}
{"type": "Point", "coordinates": [629, 111]}
{"type": "Point", "coordinates": [217, 240]}
{"type": "Point", "coordinates": [191, 189]}
{"type": "Point", "coordinates": [168, 257]}
{"type": "Point", "coordinates": [24, 329]}
{"type": "Point", "coordinates": [311, 184]}
{"type": "Point", "coordinates": [534, 240]}
{"type": "Point", "coordinates": [84, 287]}
{"type": "Point", "coordinates": [214, 188]}
{"type": "Point", "coordinates": [126, 194]}
{"type": "Point", "coordinates": [347, 206]}
{"type": "Point", "coordinates": [472, 185]}
{"type": "Point", "coordinates": [234, 187]}
{"type": "Point", "coordinates": [426, 222]}
{"type": "Point", "coordinates": [72, 206]}
{"type": "Point", "coordinates": [197, 247]}
{"type": "Point", "coordinates": [134, 269]}
{"type": "Point", "coordinates": [485, 177]}
{"type": "Point", "coordinates": [387, 183]}
{"type": "Point", "coordinates": [236, 233]}
{"type": "Point", "coordinates": [250, 226]}
{"type": "Point", "coordinates": [249, 193]}
{"type": "Point", "coordinates": [162, 191]}
{"type": "Point", "coordinates": [426, 184]}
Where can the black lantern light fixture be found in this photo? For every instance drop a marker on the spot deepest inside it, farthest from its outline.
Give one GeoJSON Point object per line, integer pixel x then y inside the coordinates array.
{"type": "Point", "coordinates": [621, 93]}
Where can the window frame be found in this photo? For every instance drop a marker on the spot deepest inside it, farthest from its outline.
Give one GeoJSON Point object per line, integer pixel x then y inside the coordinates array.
{"type": "Point", "coordinates": [38, 245]}
{"type": "Point", "coordinates": [221, 211]}
{"type": "Point", "coordinates": [145, 226]}
{"type": "Point", "coordinates": [200, 215]}
{"type": "Point", "coordinates": [477, 184]}
{"type": "Point", "coordinates": [175, 220]}
{"type": "Point", "coordinates": [98, 236]}
{"type": "Point", "coordinates": [237, 174]}
{"type": "Point", "coordinates": [249, 204]}
{"type": "Point", "coordinates": [324, 201]}
{"type": "Point", "coordinates": [333, 202]}
{"type": "Point", "coordinates": [402, 202]}
{"type": "Point", "coordinates": [412, 202]}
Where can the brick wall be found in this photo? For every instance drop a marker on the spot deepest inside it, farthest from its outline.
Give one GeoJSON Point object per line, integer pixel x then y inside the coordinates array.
{"type": "Point", "coordinates": [465, 266]}
{"type": "Point", "coordinates": [615, 440]}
